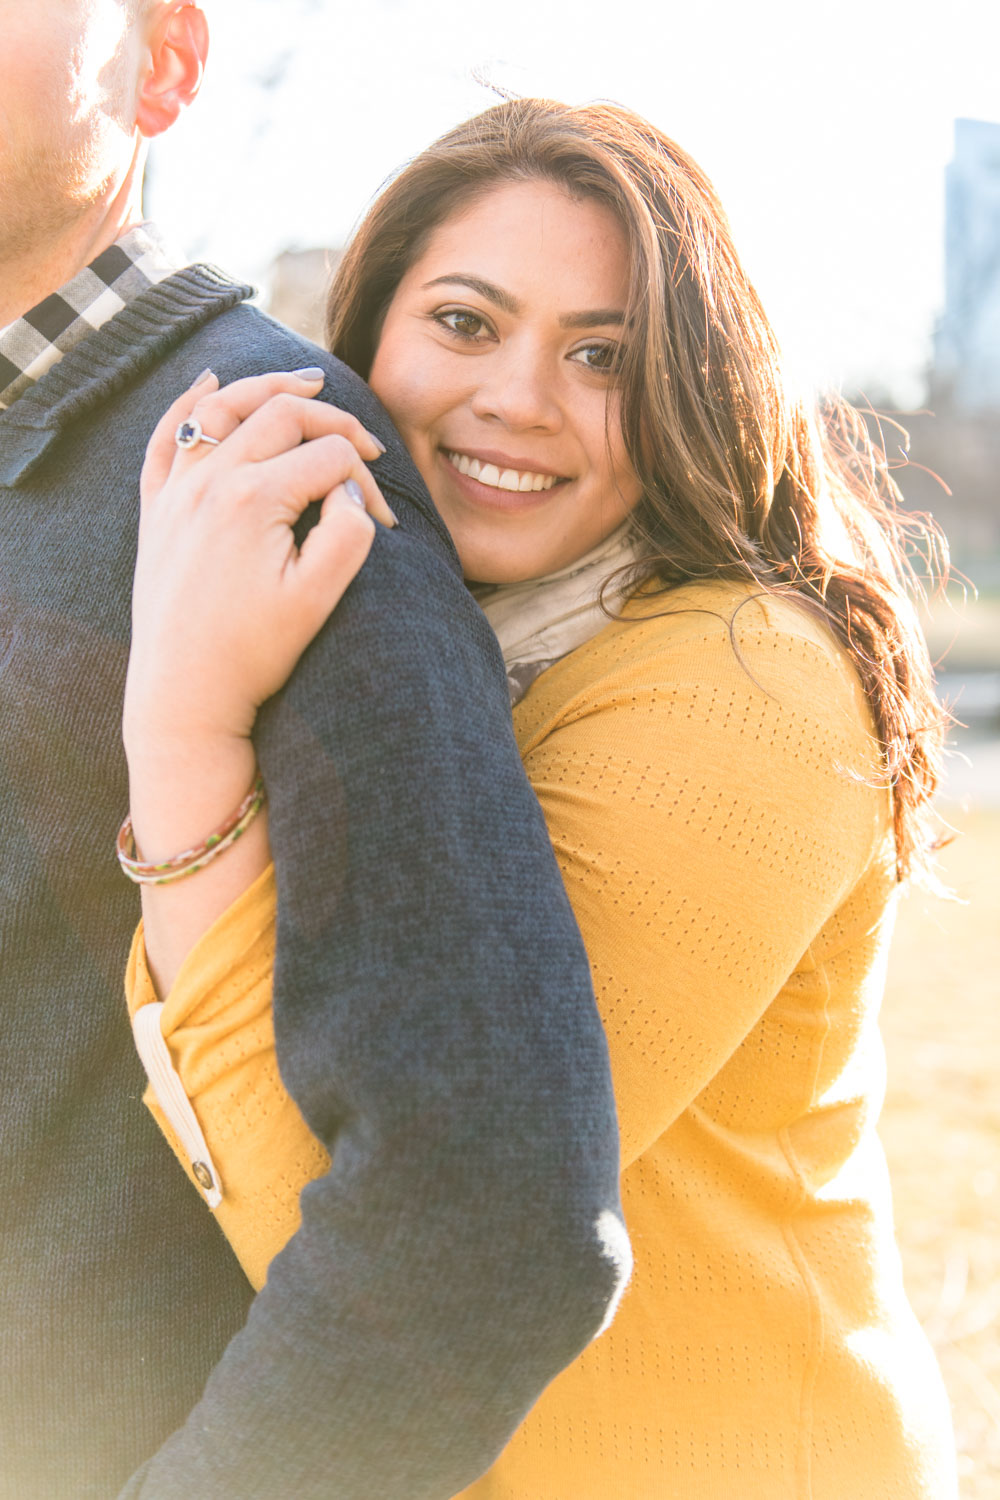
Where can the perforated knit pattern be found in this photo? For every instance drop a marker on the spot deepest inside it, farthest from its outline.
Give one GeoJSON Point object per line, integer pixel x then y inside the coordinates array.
{"type": "Point", "coordinates": [729, 861]}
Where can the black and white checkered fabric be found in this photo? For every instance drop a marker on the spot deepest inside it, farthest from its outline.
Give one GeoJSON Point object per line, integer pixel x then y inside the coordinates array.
{"type": "Point", "coordinates": [36, 341]}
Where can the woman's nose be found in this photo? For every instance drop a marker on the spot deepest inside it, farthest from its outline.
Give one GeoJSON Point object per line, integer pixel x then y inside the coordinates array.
{"type": "Point", "coordinates": [519, 390]}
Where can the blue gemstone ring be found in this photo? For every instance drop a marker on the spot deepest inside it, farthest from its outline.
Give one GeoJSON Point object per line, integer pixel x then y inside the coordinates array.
{"type": "Point", "coordinates": [189, 434]}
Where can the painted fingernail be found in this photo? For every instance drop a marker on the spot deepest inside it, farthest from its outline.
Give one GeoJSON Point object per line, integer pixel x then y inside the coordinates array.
{"type": "Point", "coordinates": [353, 489]}
{"type": "Point", "coordinates": [311, 374]}
{"type": "Point", "coordinates": [378, 442]}
{"type": "Point", "coordinates": [202, 378]}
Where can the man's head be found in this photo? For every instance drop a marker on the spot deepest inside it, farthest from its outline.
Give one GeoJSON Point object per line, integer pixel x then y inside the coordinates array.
{"type": "Point", "coordinates": [83, 85]}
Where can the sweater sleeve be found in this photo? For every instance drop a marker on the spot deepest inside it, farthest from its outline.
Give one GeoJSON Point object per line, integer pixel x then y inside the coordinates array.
{"type": "Point", "coordinates": [215, 1034]}
{"type": "Point", "coordinates": [436, 1027]}
{"type": "Point", "coordinates": [711, 800]}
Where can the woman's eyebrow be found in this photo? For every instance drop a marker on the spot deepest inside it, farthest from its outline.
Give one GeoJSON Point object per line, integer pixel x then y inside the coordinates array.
{"type": "Point", "coordinates": [595, 317]}
{"type": "Point", "coordinates": [494, 294]}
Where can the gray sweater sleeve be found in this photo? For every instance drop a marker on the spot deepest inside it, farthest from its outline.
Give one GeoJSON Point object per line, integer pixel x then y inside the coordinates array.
{"type": "Point", "coordinates": [436, 1025]}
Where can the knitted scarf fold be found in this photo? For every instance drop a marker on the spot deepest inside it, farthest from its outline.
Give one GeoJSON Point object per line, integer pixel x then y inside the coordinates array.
{"type": "Point", "coordinates": [541, 620]}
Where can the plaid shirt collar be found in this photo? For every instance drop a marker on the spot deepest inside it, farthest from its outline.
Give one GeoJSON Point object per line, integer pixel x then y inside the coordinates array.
{"type": "Point", "coordinates": [38, 340]}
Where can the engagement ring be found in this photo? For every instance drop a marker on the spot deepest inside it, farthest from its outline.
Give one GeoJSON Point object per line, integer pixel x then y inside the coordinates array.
{"type": "Point", "coordinates": [189, 434]}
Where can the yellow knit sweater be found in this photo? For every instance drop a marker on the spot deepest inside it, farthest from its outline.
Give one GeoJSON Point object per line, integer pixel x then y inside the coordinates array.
{"type": "Point", "coordinates": [707, 776]}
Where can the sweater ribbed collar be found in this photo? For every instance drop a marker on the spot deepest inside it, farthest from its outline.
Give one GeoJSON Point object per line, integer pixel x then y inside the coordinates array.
{"type": "Point", "coordinates": [110, 359]}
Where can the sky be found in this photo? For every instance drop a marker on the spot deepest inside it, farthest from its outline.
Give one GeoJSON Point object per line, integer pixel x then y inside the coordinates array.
{"type": "Point", "coordinates": [826, 130]}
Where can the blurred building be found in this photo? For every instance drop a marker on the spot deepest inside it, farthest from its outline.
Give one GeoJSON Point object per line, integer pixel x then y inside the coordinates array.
{"type": "Point", "coordinates": [967, 342]}
{"type": "Point", "coordinates": [296, 287]}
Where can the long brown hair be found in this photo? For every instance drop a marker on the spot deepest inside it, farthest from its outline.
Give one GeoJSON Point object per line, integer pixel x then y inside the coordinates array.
{"type": "Point", "coordinates": [740, 479]}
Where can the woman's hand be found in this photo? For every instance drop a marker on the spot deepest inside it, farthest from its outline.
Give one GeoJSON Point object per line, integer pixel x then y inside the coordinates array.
{"type": "Point", "coordinates": [224, 601]}
{"type": "Point", "coordinates": [223, 606]}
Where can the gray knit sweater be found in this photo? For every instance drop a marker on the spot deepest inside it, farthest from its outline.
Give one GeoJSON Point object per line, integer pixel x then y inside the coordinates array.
{"type": "Point", "coordinates": [432, 1002]}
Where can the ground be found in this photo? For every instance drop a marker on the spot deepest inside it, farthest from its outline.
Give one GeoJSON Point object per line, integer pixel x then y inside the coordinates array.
{"type": "Point", "coordinates": [941, 1130]}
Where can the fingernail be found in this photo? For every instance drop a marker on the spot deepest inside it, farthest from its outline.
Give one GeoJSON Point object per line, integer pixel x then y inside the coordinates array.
{"type": "Point", "coordinates": [378, 442]}
{"type": "Point", "coordinates": [311, 374]}
{"type": "Point", "coordinates": [395, 518]}
{"type": "Point", "coordinates": [201, 378]}
{"type": "Point", "coordinates": [354, 490]}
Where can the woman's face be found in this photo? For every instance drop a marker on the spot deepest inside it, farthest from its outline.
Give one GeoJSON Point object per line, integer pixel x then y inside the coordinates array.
{"type": "Point", "coordinates": [496, 362]}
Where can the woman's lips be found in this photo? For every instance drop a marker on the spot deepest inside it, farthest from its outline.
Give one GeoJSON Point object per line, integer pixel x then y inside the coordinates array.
{"type": "Point", "coordinates": [498, 484]}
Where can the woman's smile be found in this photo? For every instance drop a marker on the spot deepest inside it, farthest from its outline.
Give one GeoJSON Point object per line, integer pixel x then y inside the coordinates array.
{"type": "Point", "coordinates": [489, 481]}
{"type": "Point", "coordinates": [497, 363]}
{"type": "Point", "coordinates": [494, 471]}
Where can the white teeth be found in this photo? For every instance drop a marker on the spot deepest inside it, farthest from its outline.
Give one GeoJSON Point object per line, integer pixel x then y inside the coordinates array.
{"type": "Point", "coordinates": [507, 479]}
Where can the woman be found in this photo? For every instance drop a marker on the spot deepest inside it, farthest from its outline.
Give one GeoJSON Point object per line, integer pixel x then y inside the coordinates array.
{"type": "Point", "coordinates": [724, 706]}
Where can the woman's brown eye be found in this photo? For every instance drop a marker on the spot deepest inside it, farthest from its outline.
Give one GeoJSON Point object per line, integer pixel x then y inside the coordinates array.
{"type": "Point", "coordinates": [465, 323]}
{"type": "Point", "coordinates": [603, 356]}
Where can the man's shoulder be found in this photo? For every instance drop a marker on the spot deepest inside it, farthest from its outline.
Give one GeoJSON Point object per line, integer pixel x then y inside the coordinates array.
{"type": "Point", "coordinates": [245, 341]}
{"type": "Point", "coordinates": [252, 342]}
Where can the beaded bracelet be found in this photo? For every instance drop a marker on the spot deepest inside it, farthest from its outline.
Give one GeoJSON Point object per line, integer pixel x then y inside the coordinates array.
{"type": "Point", "coordinates": [161, 872]}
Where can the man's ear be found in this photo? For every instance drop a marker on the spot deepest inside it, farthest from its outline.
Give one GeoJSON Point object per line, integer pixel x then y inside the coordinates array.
{"type": "Point", "coordinates": [178, 47]}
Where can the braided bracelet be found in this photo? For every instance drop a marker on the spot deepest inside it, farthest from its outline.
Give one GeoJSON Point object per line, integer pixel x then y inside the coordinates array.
{"type": "Point", "coordinates": [161, 872]}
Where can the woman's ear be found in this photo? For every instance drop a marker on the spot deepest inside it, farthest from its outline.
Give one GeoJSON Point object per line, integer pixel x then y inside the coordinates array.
{"type": "Point", "coordinates": [177, 48]}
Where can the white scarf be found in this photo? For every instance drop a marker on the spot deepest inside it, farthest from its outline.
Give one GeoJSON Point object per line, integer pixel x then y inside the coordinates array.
{"type": "Point", "coordinates": [543, 619]}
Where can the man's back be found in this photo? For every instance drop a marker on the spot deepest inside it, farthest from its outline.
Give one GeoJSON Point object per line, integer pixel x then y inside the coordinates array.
{"type": "Point", "coordinates": [115, 1280]}
{"type": "Point", "coordinates": [119, 1296]}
